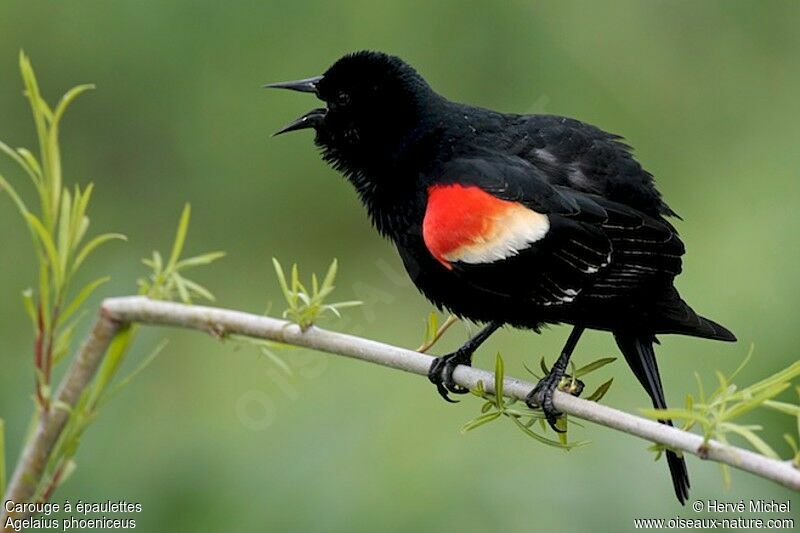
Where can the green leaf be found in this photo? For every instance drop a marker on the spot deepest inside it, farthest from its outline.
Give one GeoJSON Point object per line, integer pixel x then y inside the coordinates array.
{"type": "Point", "coordinates": [499, 372]}
{"type": "Point", "coordinates": [783, 407]}
{"type": "Point", "coordinates": [25, 165]}
{"type": "Point", "coordinates": [282, 280]}
{"type": "Point", "coordinates": [754, 401]}
{"type": "Point", "coordinates": [543, 366]}
{"type": "Point", "coordinates": [784, 376]}
{"type": "Point", "coordinates": [49, 247]}
{"type": "Point", "coordinates": [199, 260]}
{"type": "Point", "coordinates": [675, 413]}
{"type": "Point", "coordinates": [480, 420]}
{"type": "Point", "coordinates": [591, 367]}
{"type": "Point", "coordinates": [757, 442]}
{"type": "Point", "coordinates": [726, 475]}
{"type": "Point", "coordinates": [67, 99]}
{"type": "Point", "coordinates": [63, 244]}
{"type": "Point", "coordinates": [330, 277]}
{"type": "Point", "coordinates": [545, 440]}
{"type": "Point", "coordinates": [180, 237]}
{"type": "Point", "coordinates": [108, 368]}
{"type": "Point", "coordinates": [63, 340]}
{"type": "Point", "coordinates": [30, 307]}
{"type": "Point", "coordinates": [279, 362]}
{"type": "Point", "coordinates": [90, 246]}
{"type": "Point", "coordinates": [124, 382]}
{"type": "Point", "coordinates": [81, 297]}
{"type": "Point", "coordinates": [601, 391]}
{"type": "Point", "coordinates": [198, 289]}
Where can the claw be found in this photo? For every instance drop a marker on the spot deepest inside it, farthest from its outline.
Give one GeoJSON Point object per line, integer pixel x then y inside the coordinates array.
{"type": "Point", "coordinates": [441, 374]}
{"type": "Point", "coordinates": [542, 397]}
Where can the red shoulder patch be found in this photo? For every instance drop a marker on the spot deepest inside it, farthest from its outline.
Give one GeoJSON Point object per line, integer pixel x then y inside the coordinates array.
{"type": "Point", "coordinates": [458, 217]}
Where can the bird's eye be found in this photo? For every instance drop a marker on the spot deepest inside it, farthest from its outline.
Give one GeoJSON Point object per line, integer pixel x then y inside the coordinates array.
{"type": "Point", "coordinates": [342, 99]}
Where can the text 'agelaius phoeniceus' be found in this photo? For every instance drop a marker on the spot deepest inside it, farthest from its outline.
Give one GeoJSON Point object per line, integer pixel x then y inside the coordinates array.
{"type": "Point", "coordinates": [522, 220]}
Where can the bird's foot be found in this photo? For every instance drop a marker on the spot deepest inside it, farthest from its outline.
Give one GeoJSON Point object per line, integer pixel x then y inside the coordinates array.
{"type": "Point", "coordinates": [542, 394]}
{"type": "Point", "coordinates": [441, 373]}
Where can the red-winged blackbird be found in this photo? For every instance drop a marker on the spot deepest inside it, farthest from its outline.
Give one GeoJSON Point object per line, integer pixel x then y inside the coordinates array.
{"type": "Point", "coordinates": [503, 219]}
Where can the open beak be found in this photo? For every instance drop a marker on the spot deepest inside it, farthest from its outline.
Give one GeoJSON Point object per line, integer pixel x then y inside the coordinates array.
{"type": "Point", "coordinates": [308, 85]}
{"type": "Point", "coordinates": [311, 119]}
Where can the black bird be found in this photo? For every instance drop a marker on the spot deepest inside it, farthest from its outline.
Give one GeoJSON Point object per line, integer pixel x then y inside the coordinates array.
{"type": "Point", "coordinates": [504, 219]}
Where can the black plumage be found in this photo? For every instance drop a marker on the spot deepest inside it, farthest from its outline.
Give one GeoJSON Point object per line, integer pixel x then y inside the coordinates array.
{"type": "Point", "coordinates": [503, 219]}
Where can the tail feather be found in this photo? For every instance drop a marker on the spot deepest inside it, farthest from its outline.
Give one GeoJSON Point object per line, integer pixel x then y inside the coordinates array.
{"type": "Point", "coordinates": [675, 316]}
{"type": "Point", "coordinates": [638, 352]}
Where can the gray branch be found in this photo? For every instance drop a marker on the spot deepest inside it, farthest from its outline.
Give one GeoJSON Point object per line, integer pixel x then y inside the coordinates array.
{"type": "Point", "coordinates": [135, 309]}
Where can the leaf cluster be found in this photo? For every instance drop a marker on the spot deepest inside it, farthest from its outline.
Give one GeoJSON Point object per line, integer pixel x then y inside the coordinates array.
{"type": "Point", "coordinates": [306, 307]}
{"type": "Point", "coordinates": [496, 405]}
{"type": "Point", "coordinates": [717, 415]}
{"type": "Point", "coordinates": [167, 281]}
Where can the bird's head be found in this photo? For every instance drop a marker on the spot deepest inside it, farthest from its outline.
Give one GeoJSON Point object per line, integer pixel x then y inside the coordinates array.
{"type": "Point", "coordinates": [375, 105]}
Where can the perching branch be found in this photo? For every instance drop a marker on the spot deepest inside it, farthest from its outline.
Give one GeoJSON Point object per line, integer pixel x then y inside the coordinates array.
{"type": "Point", "coordinates": [117, 312]}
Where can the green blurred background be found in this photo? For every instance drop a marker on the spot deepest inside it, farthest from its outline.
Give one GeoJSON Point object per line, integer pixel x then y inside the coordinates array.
{"type": "Point", "coordinates": [212, 437]}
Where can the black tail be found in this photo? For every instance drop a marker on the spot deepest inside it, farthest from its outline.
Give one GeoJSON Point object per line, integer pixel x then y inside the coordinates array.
{"type": "Point", "coordinates": [638, 352]}
{"type": "Point", "coordinates": [675, 316]}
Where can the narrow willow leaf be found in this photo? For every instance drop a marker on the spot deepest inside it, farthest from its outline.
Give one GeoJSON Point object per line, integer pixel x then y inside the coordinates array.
{"type": "Point", "coordinates": [744, 362]}
{"type": "Point", "coordinates": [757, 442]}
{"type": "Point", "coordinates": [21, 207]}
{"type": "Point", "coordinates": [63, 244]}
{"type": "Point", "coordinates": [499, 372]}
{"type": "Point", "coordinates": [755, 401]}
{"type": "Point", "coordinates": [180, 236]}
{"type": "Point", "coordinates": [63, 340]}
{"type": "Point", "coordinates": [601, 391]}
{"type": "Point", "coordinates": [681, 414]}
{"type": "Point", "coordinates": [198, 289]}
{"type": "Point", "coordinates": [279, 362]}
{"type": "Point", "coordinates": [30, 307]}
{"type": "Point", "coordinates": [183, 291]}
{"type": "Point", "coordinates": [784, 376]}
{"type": "Point", "coordinates": [700, 389]}
{"type": "Point", "coordinates": [30, 159]}
{"type": "Point", "coordinates": [69, 468]}
{"type": "Point", "coordinates": [543, 366]}
{"type": "Point", "coordinates": [346, 304]}
{"type": "Point", "coordinates": [792, 442]}
{"type": "Point", "coordinates": [783, 407]}
{"type": "Point", "coordinates": [92, 245]}
{"type": "Point", "coordinates": [479, 421]}
{"type": "Point", "coordinates": [330, 277]}
{"type": "Point", "coordinates": [545, 440]}
{"type": "Point", "coordinates": [108, 368]}
{"type": "Point", "coordinates": [561, 423]}
{"type": "Point", "coordinates": [431, 327]}
{"type": "Point", "coordinates": [199, 260]}
{"type": "Point", "coordinates": [49, 247]}
{"type": "Point", "coordinates": [124, 382]}
{"type": "Point", "coordinates": [25, 165]}
{"type": "Point", "coordinates": [282, 280]}
{"type": "Point", "coordinates": [726, 476]}
{"type": "Point", "coordinates": [66, 100]}
{"type": "Point", "coordinates": [591, 367]}
{"type": "Point", "coordinates": [81, 297]}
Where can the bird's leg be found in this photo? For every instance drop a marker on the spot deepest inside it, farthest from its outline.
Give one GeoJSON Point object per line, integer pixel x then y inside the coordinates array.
{"type": "Point", "coordinates": [542, 393]}
{"type": "Point", "coordinates": [441, 371]}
